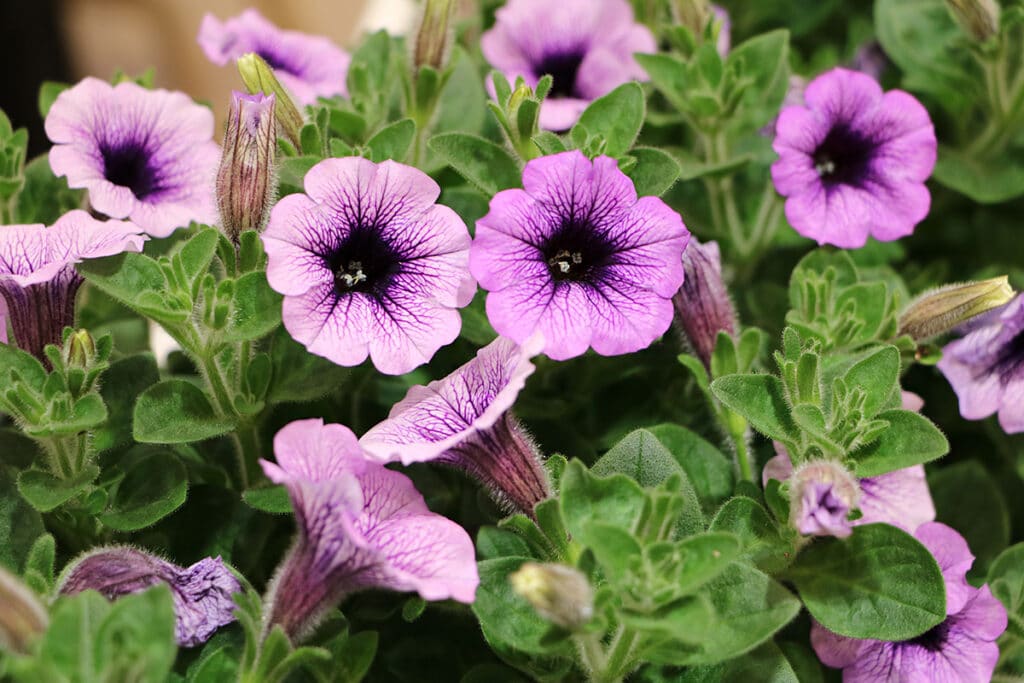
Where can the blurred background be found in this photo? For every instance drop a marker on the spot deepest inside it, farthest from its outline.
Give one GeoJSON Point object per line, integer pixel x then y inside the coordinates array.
{"type": "Point", "coordinates": [64, 40]}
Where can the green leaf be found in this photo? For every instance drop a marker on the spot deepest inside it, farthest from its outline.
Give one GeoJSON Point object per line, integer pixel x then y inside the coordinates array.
{"type": "Point", "coordinates": [987, 180]}
{"type": "Point", "coordinates": [669, 75]}
{"type": "Point", "coordinates": [492, 543]}
{"type": "Point", "coordinates": [766, 664]}
{"type": "Point", "coordinates": [298, 375]}
{"type": "Point", "coordinates": [750, 522]}
{"type": "Point", "coordinates": [135, 280]}
{"type": "Point", "coordinates": [764, 63]}
{"type": "Point", "coordinates": [685, 620]}
{"type": "Point", "coordinates": [154, 485]}
{"type": "Point", "coordinates": [87, 413]}
{"type": "Point", "coordinates": [67, 647]}
{"type": "Point", "coordinates": [255, 309]}
{"type": "Point", "coordinates": [911, 439]}
{"type": "Point", "coordinates": [878, 376]}
{"type": "Point", "coordinates": [392, 141]}
{"type": "Point", "coordinates": [710, 472]}
{"type": "Point", "coordinates": [655, 171]}
{"type": "Point", "coordinates": [272, 499]}
{"type": "Point", "coordinates": [1006, 580]}
{"type": "Point", "coordinates": [761, 399]}
{"type": "Point", "coordinates": [45, 197]}
{"type": "Point", "coordinates": [136, 639]}
{"type": "Point", "coordinates": [704, 557]}
{"type": "Point", "coordinates": [484, 164]}
{"type": "Point", "coordinates": [617, 117]}
{"type": "Point", "coordinates": [177, 411]}
{"type": "Point", "coordinates": [20, 524]}
{"type": "Point", "coordinates": [122, 384]}
{"type": "Point", "coordinates": [40, 564]}
{"type": "Point", "coordinates": [616, 500]}
{"type": "Point", "coordinates": [614, 548]}
{"type": "Point", "coordinates": [45, 492]}
{"type": "Point", "coordinates": [968, 499]}
{"type": "Point", "coordinates": [879, 583]}
{"type": "Point", "coordinates": [197, 253]}
{"type": "Point", "coordinates": [25, 365]}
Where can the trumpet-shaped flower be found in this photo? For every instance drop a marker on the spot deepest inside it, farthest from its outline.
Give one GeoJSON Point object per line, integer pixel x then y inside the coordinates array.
{"type": "Point", "coordinates": [146, 155]}
{"type": "Point", "coordinates": [587, 47]}
{"type": "Point", "coordinates": [369, 265]}
{"type": "Point", "coordinates": [577, 257]}
{"type": "Point", "coordinates": [37, 275]}
{"type": "Point", "coordinates": [360, 525]}
{"type": "Point", "coordinates": [853, 160]}
{"type": "Point", "coordinates": [308, 66]}
{"type": "Point", "coordinates": [464, 421]}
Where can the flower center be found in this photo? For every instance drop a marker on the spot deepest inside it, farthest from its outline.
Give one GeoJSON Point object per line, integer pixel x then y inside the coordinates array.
{"type": "Point", "coordinates": [128, 165]}
{"type": "Point", "coordinates": [563, 68]}
{"type": "Point", "coordinates": [363, 263]}
{"type": "Point", "coordinates": [932, 640]}
{"type": "Point", "coordinates": [576, 252]}
{"type": "Point", "coordinates": [1009, 360]}
{"type": "Point", "coordinates": [844, 156]}
{"type": "Point", "coordinates": [276, 61]}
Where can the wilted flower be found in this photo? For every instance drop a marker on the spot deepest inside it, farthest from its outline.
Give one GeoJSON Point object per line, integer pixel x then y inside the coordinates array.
{"type": "Point", "coordinates": [944, 308]}
{"type": "Point", "coordinates": [37, 275]}
{"type": "Point", "coordinates": [587, 46]}
{"type": "Point", "coordinates": [360, 525]}
{"type": "Point", "coordinates": [986, 368]}
{"type": "Point", "coordinates": [703, 306]}
{"type": "Point", "coordinates": [201, 592]}
{"type": "Point", "coordinates": [246, 181]}
{"type": "Point", "coordinates": [961, 648]}
{"type": "Point", "coordinates": [464, 421]}
{"type": "Point", "coordinates": [369, 264]}
{"type": "Point", "coordinates": [309, 66]}
{"type": "Point", "coordinates": [560, 594]}
{"type": "Point", "coordinates": [576, 256]}
{"type": "Point", "coordinates": [823, 493]}
{"type": "Point", "coordinates": [146, 155]}
{"type": "Point", "coordinates": [853, 161]}
{"type": "Point", "coordinates": [22, 618]}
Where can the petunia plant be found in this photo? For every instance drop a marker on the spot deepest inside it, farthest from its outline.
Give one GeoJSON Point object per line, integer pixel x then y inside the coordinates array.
{"type": "Point", "coordinates": [604, 340]}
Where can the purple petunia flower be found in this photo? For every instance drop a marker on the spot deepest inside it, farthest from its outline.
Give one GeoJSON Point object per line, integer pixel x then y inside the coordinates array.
{"type": "Point", "coordinates": [37, 275]}
{"type": "Point", "coordinates": [587, 46]}
{"type": "Point", "coordinates": [986, 367]}
{"type": "Point", "coordinates": [360, 525]}
{"type": "Point", "coordinates": [962, 648]}
{"type": "Point", "coordinates": [464, 420]}
{"type": "Point", "coordinates": [147, 155]}
{"type": "Point", "coordinates": [369, 264]}
{"type": "Point", "coordinates": [853, 161]}
{"type": "Point", "coordinates": [576, 256]}
{"type": "Point", "coordinates": [724, 42]}
{"type": "Point", "coordinates": [201, 592]}
{"type": "Point", "coordinates": [308, 66]}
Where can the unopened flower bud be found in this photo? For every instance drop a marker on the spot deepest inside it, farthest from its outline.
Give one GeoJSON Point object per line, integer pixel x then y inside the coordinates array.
{"type": "Point", "coordinates": [940, 310]}
{"type": "Point", "coordinates": [246, 180]}
{"type": "Point", "coordinates": [693, 14]}
{"type": "Point", "coordinates": [979, 18]}
{"type": "Point", "coordinates": [560, 594]}
{"type": "Point", "coordinates": [702, 304]}
{"type": "Point", "coordinates": [258, 77]}
{"type": "Point", "coordinates": [432, 38]}
{"type": "Point", "coordinates": [79, 350]}
{"type": "Point", "coordinates": [22, 617]}
{"type": "Point", "coordinates": [822, 495]}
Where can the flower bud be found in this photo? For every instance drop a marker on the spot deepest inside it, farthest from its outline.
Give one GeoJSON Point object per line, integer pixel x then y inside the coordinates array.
{"type": "Point", "coordinates": [822, 495]}
{"type": "Point", "coordinates": [79, 350]}
{"type": "Point", "coordinates": [693, 14]}
{"type": "Point", "coordinates": [22, 616]}
{"type": "Point", "coordinates": [258, 77]}
{"type": "Point", "coordinates": [560, 594]}
{"type": "Point", "coordinates": [246, 180]}
{"type": "Point", "coordinates": [702, 304]}
{"type": "Point", "coordinates": [942, 309]}
{"type": "Point", "coordinates": [979, 18]}
{"type": "Point", "coordinates": [432, 38]}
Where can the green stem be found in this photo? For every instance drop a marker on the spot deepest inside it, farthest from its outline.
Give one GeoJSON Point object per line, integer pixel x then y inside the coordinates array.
{"type": "Point", "coordinates": [619, 661]}
{"type": "Point", "coordinates": [214, 378]}
{"type": "Point", "coordinates": [247, 447]}
{"type": "Point", "coordinates": [736, 427]}
{"type": "Point", "coordinates": [591, 653]}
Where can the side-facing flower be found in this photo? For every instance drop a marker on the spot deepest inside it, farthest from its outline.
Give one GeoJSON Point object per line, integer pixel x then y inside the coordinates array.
{"type": "Point", "coordinates": [703, 307]}
{"type": "Point", "coordinates": [853, 161]}
{"type": "Point", "coordinates": [360, 525]}
{"type": "Point", "coordinates": [464, 421]}
{"type": "Point", "coordinates": [587, 47]}
{"type": "Point", "coordinates": [309, 66]}
{"type": "Point", "coordinates": [962, 648]}
{"type": "Point", "coordinates": [576, 256]}
{"type": "Point", "coordinates": [246, 180]}
{"type": "Point", "coordinates": [147, 155]}
{"type": "Point", "coordinates": [201, 592]}
{"type": "Point", "coordinates": [369, 265]}
{"type": "Point", "coordinates": [37, 275]}
{"type": "Point", "coordinates": [986, 367]}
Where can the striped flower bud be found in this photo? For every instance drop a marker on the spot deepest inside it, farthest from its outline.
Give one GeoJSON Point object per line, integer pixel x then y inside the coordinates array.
{"type": "Point", "coordinates": [702, 304]}
{"type": "Point", "coordinates": [246, 181]}
{"type": "Point", "coordinates": [258, 77]}
{"type": "Point", "coordinates": [22, 616]}
{"type": "Point", "coordinates": [942, 309]}
{"type": "Point", "coordinates": [432, 38]}
{"type": "Point", "coordinates": [979, 18]}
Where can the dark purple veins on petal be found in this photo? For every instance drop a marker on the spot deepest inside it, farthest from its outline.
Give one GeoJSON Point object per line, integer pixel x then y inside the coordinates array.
{"type": "Point", "coordinates": [277, 61]}
{"type": "Point", "coordinates": [364, 262]}
{"type": "Point", "coordinates": [933, 639]}
{"type": "Point", "coordinates": [129, 164]}
{"type": "Point", "coordinates": [563, 67]}
{"type": "Point", "coordinates": [1009, 360]}
{"type": "Point", "coordinates": [844, 156]}
{"type": "Point", "coordinates": [576, 252]}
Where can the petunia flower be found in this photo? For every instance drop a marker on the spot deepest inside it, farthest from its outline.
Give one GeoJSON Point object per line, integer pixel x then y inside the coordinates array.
{"type": "Point", "coordinates": [369, 265]}
{"type": "Point", "coordinates": [962, 648]}
{"type": "Point", "coordinates": [587, 46]}
{"type": "Point", "coordinates": [308, 66]}
{"type": "Point", "coordinates": [853, 161]}
{"type": "Point", "coordinates": [201, 592]}
{"type": "Point", "coordinates": [703, 307]}
{"type": "Point", "coordinates": [724, 42]}
{"type": "Point", "coordinates": [986, 367]}
{"type": "Point", "coordinates": [146, 155]}
{"type": "Point", "coordinates": [37, 275]}
{"type": "Point", "coordinates": [577, 257]}
{"type": "Point", "coordinates": [464, 421]}
{"type": "Point", "coordinates": [360, 525]}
